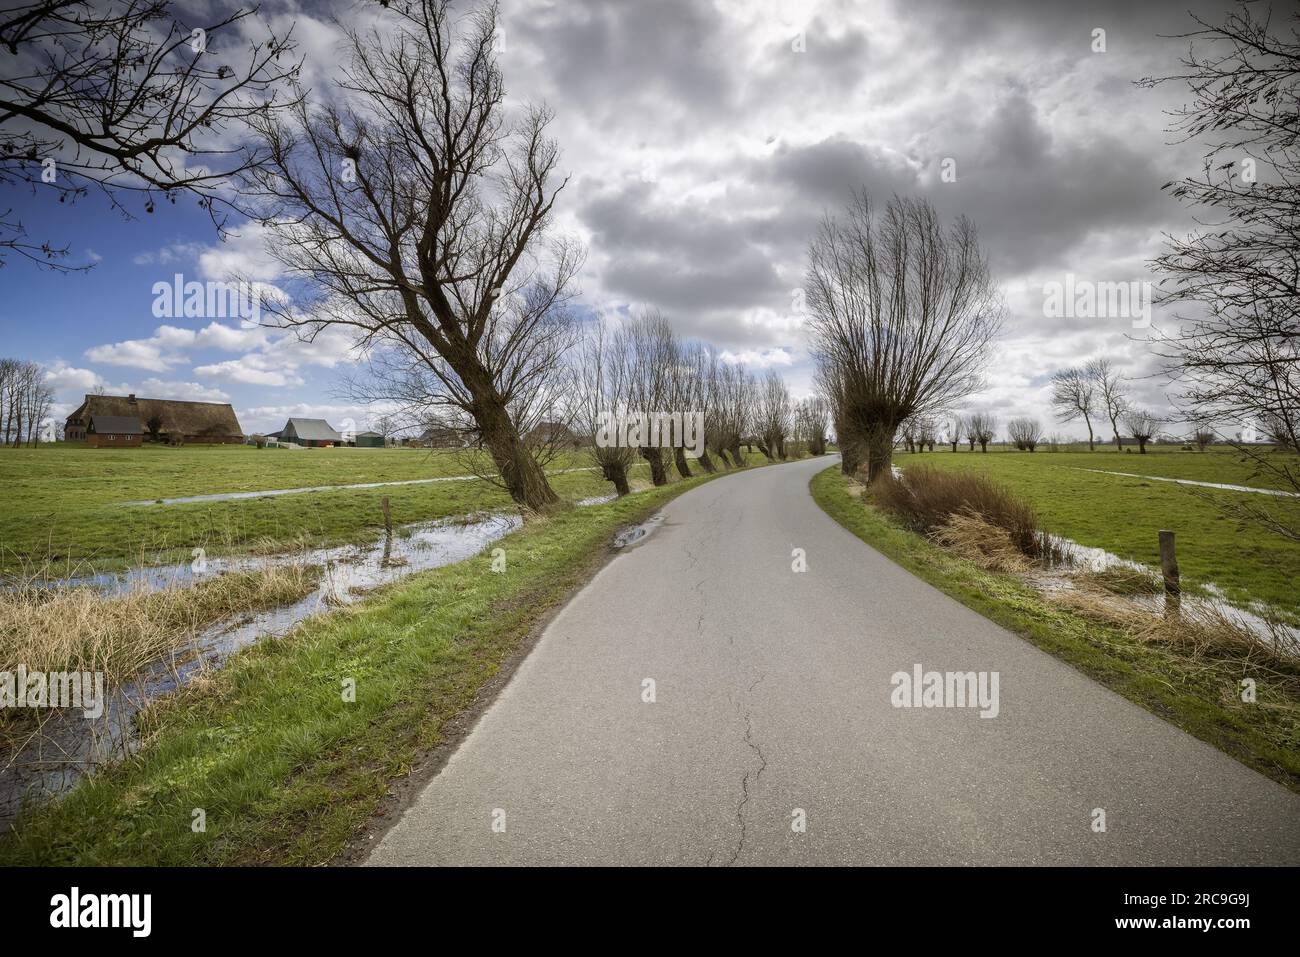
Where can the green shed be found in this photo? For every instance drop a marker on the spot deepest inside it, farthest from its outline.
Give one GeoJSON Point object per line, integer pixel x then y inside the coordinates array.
{"type": "Point", "coordinates": [370, 440]}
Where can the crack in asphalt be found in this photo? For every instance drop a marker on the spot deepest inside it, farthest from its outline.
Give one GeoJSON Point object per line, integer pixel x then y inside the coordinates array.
{"type": "Point", "coordinates": [744, 780]}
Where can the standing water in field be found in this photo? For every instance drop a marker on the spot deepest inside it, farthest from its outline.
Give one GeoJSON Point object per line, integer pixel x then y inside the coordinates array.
{"type": "Point", "coordinates": [51, 756]}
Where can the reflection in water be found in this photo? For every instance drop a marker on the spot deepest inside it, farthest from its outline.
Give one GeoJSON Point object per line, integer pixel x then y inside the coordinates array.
{"type": "Point", "coordinates": [67, 745]}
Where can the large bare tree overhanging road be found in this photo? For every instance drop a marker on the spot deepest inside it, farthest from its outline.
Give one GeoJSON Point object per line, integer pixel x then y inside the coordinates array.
{"type": "Point", "coordinates": [414, 216]}
{"type": "Point", "coordinates": [772, 705]}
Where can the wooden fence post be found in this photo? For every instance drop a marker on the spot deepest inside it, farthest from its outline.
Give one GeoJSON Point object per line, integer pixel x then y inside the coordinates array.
{"type": "Point", "coordinates": [388, 518]}
{"type": "Point", "coordinates": [1169, 567]}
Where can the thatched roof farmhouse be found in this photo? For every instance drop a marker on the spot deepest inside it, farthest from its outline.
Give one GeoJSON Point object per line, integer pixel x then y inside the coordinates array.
{"type": "Point", "coordinates": [161, 419]}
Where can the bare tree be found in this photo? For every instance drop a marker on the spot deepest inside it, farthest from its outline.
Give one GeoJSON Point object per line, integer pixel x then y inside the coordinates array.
{"type": "Point", "coordinates": [1108, 386]}
{"type": "Point", "coordinates": [981, 427]}
{"type": "Point", "coordinates": [954, 429]}
{"type": "Point", "coordinates": [651, 348]}
{"type": "Point", "coordinates": [1074, 396]}
{"type": "Point", "coordinates": [25, 402]}
{"type": "Point", "coordinates": [1025, 433]}
{"type": "Point", "coordinates": [904, 311]}
{"type": "Point", "coordinates": [774, 416]}
{"type": "Point", "coordinates": [1280, 432]}
{"type": "Point", "coordinates": [133, 100]}
{"type": "Point", "coordinates": [810, 418]}
{"type": "Point", "coordinates": [698, 364]}
{"type": "Point", "coordinates": [603, 389]}
{"type": "Point", "coordinates": [926, 431]}
{"type": "Point", "coordinates": [685, 394]}
{"type": "Point", "coordinates": [736, 402]}
{"type": "Point", "coordinates": [831, 382]}
{"type": "Point", "coordinates": [414, 211]}
{"type": "Point", "coordinates": [1142, 425]}
{"type": "Point", "coordinates": [1202, 435]}
{"type": "Point", "coordinates": [1237, 353]}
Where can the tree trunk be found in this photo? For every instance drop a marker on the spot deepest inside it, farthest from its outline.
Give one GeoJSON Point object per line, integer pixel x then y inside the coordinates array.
{"type": "Point", "coordinates": [679, 459]}
{"type": "Point", "coordinates": [984, 447]}
{"type": "Point", "coordinates": [879, 452]}
{"type": "Point", "coordinates": [850, 456]}
{"type": "Point", "coordinates": [658, 474]}
{"type": "Point", "coordinates": [706, 463]}
{"type": "Point", "coordinates": [616, 472]}
{"type": "Point", "coordinates": [524, 479]}
{"type": "Point", "coordinates": [737, 456]}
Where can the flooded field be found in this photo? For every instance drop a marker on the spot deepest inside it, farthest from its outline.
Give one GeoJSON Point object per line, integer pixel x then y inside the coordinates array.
{"type": "Point", "coordinates": [50, 758]}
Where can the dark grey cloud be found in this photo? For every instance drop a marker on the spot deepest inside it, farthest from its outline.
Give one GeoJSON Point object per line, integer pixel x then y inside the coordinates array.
{"type": "Point", "coordinates": [620, 60]}
{"type": "Point", "coordinates": [692, 259]}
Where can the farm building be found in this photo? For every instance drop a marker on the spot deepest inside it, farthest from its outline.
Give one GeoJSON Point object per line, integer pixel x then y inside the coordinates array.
{"type": "Point", "coordinates": [439, 437]}
{"type": "Point", "coordinates": [312, 433]}
{"type": "Point", "coordinates": [114, 432]}
{"type": "Point", "coordinates": [553, 434]}
{"type": "Point", "coordinates": [369, 440]}
{"type": "Point", "coordinates": [160, 420]}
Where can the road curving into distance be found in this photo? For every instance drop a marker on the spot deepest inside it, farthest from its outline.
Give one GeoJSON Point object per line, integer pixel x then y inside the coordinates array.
{"type": "Point", "coordinates": [773, 707]}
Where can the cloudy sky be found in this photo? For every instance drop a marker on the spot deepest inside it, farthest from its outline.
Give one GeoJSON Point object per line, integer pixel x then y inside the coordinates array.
{"type": "Point", "coordinates": [704, 142]}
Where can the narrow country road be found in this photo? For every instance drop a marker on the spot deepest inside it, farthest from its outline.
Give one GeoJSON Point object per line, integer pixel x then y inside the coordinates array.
{"type": "Point", "coordinates": [772, 695]}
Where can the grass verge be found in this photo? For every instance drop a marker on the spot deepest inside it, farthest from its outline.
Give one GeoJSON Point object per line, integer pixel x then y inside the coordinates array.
{"type": "Point", "coordinates": [1198, 693]}
{"type": "Point", "coordinates": [284, 768]}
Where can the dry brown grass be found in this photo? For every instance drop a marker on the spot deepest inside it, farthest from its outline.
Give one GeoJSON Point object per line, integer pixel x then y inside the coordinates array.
{"type": "Point", "coordinates": [1122, 580]}
{"type": "Point", "coordinates": [81, 629]}
{"type": "Point", "coordinates": [988, 546]}
{"type": "Point", "coordinates": [928, 499]}
{"type": "Point", "coordinates": [1199, 629]}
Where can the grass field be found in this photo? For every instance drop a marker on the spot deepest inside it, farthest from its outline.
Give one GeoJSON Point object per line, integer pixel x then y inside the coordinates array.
{"type": "Point", "coordinates": [64, 505]}
{"type": "Point", "coordinates": [1124, 515]}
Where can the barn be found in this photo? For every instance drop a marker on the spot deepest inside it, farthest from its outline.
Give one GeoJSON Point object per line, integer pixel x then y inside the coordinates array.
{"type": "Point", "coordinates": [369, 440]}
{"type": "Point", "coordinates": [312, 433]}
{"type": "Point", "coordinates": [114, 432]}
{"type": "Point", "coordinates": [160, 420]}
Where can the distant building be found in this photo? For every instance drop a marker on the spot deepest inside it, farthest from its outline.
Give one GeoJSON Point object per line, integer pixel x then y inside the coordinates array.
{"type": "Point", "coordinates": [369, 440]}
{"type": "Point", "coordinates": [312, 433]}
{"type": "Point", "coordinates": [440, 437]}
{"type": "Point", "coordinates": [553, 434]}
{"type": "Point", "coordinates": [114, 432]}
{"type": "Point", "coordinates": [161, 420]}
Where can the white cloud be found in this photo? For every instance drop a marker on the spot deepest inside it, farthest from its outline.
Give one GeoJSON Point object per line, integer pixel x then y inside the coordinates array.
{"type": "Point", "coordinates": [156, 354]}
{"type": "Point", "coordinates": [252, 369]}
{"type": "Point", "coordinates": [192, 391]}
{"type": "Point", "coordinates": [62, 377]}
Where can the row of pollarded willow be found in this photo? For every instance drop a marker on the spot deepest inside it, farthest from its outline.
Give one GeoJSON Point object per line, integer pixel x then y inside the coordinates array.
{"type": "Point", "coordinates": [644, 366]}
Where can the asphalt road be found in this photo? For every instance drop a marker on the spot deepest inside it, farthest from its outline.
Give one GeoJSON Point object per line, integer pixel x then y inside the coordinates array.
{"type": "Point", "coordinates": [772, 705]}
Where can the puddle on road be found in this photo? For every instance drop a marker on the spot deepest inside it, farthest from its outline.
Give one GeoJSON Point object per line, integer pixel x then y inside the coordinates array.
{"type": "Point", "coordinates": [635, 534]}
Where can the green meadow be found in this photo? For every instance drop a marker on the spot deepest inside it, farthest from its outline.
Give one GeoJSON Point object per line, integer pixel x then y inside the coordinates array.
{"type": "Point", "coordinates": [1124, 515]}
{"type": "Point", "coordinates": [65, 506]}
